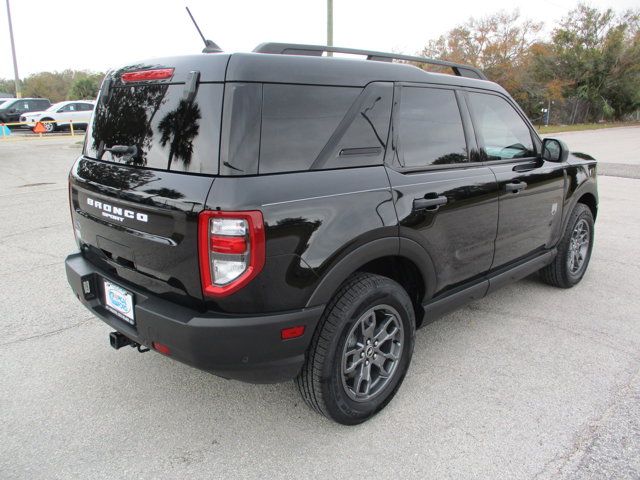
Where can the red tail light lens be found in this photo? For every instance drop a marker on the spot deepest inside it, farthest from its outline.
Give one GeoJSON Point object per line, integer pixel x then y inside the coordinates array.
{"type": "Point", "coordinates": [147, 75]}
{"type": "Point", "coordinates": [231, 248]}
{"type": "Point", "coordinates": [227, 244]}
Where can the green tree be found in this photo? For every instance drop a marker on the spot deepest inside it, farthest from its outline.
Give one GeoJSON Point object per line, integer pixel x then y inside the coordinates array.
{"type": "Point", "coordinates": [85, 88]}
{"type": "Point", "coordinates": [596, 56]}
{"type": "Point", "coordinates": [498, 44]}
{"type": "Point", "coordinates": [7, 86]}
{"type": "Point", "coordinates": [57, 86]}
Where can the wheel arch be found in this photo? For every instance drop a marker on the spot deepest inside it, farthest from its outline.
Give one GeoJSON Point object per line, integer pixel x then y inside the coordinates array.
{"type": "Point", "coordinates": [400, 259]}
{"type": "Point", "coordinates": [590, 201]}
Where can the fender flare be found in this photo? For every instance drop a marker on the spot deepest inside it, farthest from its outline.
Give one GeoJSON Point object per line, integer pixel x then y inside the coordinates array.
{"type": "Point", "coordinates": [382, 247]}
{"type": "Point", "coordinates": [586, 187]}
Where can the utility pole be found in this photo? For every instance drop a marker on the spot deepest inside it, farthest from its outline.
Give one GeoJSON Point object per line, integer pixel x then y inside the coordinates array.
{"type": "Point", "coordinates": [329, 25]}
{"type": "Point", "coordinates": [13, 52]}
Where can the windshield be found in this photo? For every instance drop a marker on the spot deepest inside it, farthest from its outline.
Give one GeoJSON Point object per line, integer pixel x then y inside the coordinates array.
{"type": "Point", "coordinates": [6, 103]}
{"type": "Point", "coordinates": [55, 106]}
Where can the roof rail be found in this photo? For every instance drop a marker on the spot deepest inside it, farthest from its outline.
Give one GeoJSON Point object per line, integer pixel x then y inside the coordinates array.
{"type": "Point", "coordinates": [317, 51]}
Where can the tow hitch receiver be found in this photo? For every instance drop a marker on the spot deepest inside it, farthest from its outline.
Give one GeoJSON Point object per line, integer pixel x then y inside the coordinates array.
{"type": "Point", "coordinates": [118, 340]}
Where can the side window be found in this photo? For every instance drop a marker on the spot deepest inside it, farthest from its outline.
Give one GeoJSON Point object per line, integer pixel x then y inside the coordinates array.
{"type": "Point", "coordinates": [503, 132]}
{"type": "Point", "coordinates": [430, 128]}
{"type": "Point", "coordinates": [361, 137]}
{"type": "Point", "coordinates": [297, 123]}
{"type": "Point", "coordinates": [22, 106]}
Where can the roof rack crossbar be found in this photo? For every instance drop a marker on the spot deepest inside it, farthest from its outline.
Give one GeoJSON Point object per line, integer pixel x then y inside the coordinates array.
{"type": "Point", "coordinates": [317, 51]}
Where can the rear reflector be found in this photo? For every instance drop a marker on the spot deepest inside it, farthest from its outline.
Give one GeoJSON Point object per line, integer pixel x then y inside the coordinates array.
{"type": "Point", "coordinates": [161, 347]}
{"type": "Point", "coordinates": [292, 332]}
{"type": "Point", "coordinates": [147, 75]}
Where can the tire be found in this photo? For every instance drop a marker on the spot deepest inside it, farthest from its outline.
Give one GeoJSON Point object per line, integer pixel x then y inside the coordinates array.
{"type": "Point", "coordinates": [50, 127]}
{"type": "Point", "coordinates": [562, 272]}
{"type": "Point", "coordinates": [360, 310]}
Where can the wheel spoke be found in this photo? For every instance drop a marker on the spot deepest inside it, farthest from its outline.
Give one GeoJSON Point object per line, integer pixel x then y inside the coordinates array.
{"type": "Point", "coordinates": [371, 353]}
{"type": "Point", "coordinates": [352, 359]}
{"type": "Point", "coordinates": [364, 377]}
{"type": "Point", "coordinates": [369, 326]}
{"type": "Point", "coordinates": [381, 363]}
{"type": "Point", "coordinates": [382, 332]}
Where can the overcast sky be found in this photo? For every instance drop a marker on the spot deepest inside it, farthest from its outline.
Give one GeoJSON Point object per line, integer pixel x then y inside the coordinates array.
{"type": "Point", "coordinates": [100, 34]}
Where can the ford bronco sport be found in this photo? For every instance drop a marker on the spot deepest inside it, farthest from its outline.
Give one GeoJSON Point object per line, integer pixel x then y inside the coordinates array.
{"type": "Point", "coordinates": [283, 214]}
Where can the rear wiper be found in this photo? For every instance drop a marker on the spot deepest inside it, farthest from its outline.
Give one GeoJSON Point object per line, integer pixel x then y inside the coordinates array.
{"type": "Point", "coordinates": [128, 151]}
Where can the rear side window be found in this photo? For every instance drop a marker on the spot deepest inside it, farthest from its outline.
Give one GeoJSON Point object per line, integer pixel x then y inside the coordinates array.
{"type": "Point", "coordinates": [274, 128]}
{"type": "Point", "coordinates": [503, 132]}
{"type": "Point", "coordinates": [430, 128]}
{"type": "Point", "coordinates": [297, 122]}
{"type": "Point", "coordinates": [168, 133]}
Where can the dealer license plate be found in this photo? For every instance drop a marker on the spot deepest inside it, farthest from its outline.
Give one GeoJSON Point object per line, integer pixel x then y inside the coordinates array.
{"type": "Point", "coordinates": [119, 302]}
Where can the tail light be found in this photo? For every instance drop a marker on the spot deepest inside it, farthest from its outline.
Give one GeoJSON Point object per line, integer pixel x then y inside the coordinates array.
{"type": "Point", "coordinates": [231, 247]}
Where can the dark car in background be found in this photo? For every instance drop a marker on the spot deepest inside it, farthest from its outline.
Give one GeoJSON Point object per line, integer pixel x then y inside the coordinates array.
{"type": "Point", "coordinates": [11, 110]}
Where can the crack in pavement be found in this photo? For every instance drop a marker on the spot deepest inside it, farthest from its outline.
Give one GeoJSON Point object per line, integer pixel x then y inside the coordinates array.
{"type": "Point", "coordinates": [609, 345]}
{"type": "Point", "coordinates": [587, 434]}
{"type": "Point", "coordinates": [44, 227]}
{"type": "Point", "coordinates": [45, 265]}
{"type": "Point", "coordinates": [47, 334]}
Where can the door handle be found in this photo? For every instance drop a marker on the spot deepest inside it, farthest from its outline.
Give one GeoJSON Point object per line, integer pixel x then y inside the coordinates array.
{"type": "Point", "coordinates": [427, 203]}
{"type": "Point", "coordinates": [515, 187]}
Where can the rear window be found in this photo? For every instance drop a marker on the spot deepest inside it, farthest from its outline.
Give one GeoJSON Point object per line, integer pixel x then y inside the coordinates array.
{"type": "Point", "coordinates": [167, 132]}
{"type": "Point", "coordinates": [274, 128]}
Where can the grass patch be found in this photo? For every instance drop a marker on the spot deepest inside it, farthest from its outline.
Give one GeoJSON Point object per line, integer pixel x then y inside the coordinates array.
{"type": "Point", "coordinates": [582, 126]}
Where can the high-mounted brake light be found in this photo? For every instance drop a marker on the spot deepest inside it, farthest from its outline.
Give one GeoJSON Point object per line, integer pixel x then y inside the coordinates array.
{"type": "Point", "coordinates": [147, 75]}
{"type": "Point", "coordinates": [231, 248]}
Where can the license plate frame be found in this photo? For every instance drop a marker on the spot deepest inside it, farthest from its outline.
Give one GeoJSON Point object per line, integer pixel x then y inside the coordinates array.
{"type": "Point", "coordinates": [119, 301]}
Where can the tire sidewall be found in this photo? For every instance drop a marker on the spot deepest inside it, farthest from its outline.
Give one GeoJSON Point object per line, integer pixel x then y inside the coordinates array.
{"type": "Point", "coordinates": [50, 126]}
{"type": "Point", "coordinates": [582, 214]}
{"type": "Point", "coordinates": [336, 399]}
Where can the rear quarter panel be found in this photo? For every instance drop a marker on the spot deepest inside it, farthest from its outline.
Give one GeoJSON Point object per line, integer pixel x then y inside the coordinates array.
{"type": "Point", "coordinates": [312, 220]}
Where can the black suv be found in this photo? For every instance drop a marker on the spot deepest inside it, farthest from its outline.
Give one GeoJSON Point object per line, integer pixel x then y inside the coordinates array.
{"type": "Point", "coordinates": [283, 214]}
{"type": "Point", "coordinates": [10, 111]}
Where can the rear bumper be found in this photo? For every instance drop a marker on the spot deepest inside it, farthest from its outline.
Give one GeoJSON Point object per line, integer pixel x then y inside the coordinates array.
{"type": "Point", "coordinates": [247, 348]}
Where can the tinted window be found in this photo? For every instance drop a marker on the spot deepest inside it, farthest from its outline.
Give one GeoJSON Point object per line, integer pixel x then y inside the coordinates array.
{"type": "Point", "coordinates": [297, 123]}
{"type": "Point", "coordinates": [503, 131]}
{"type": "Point", "coordinates": [241, 123]}
{"type": "Point", "coordinates": [361, 136]}
{"type": "Point", "coordinates": [167, 132]}
{"type": "Point", "coordinates": [430, 128]}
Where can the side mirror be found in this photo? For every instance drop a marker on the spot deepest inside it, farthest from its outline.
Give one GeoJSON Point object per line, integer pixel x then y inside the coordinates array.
{"type": "Point", "coordinates": [554, 150]}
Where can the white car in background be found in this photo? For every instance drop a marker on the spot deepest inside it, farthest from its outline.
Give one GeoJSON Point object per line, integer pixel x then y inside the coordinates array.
{"type": "Point", "coordinates": [61, 115]}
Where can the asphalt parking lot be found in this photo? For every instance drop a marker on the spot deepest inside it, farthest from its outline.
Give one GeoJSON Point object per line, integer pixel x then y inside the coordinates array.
{"type": "Point", "coordinates": [529, 383]}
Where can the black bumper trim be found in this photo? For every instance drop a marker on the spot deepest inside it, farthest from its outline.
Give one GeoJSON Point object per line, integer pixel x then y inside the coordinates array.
{"type": "Point", "coordinates": [247, 348]}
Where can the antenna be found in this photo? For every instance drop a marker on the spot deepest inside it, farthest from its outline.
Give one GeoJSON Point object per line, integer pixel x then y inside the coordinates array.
{"type": "Point", "coordinates": [209, 46]}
